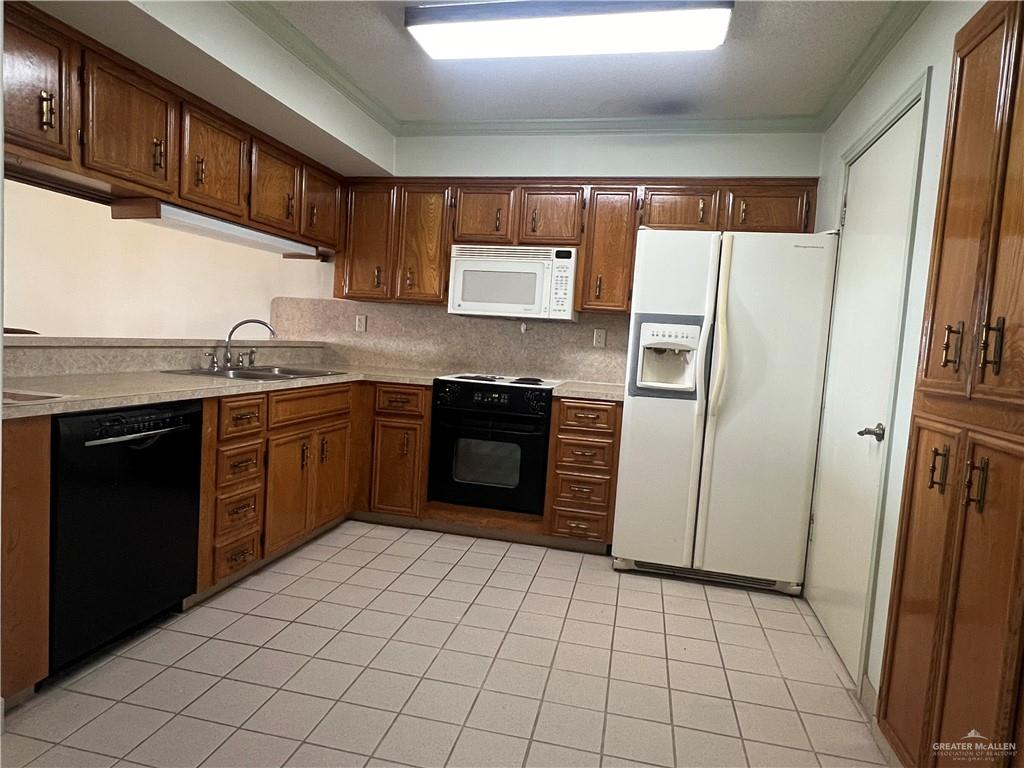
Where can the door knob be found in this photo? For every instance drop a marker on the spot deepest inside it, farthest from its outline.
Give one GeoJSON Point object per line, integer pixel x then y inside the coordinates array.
{"type": "Point", "coordinates": [877, 432]}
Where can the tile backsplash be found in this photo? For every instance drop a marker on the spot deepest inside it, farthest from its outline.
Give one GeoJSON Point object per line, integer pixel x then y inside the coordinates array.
{"type": "Point", "coordinates": [426, 336]}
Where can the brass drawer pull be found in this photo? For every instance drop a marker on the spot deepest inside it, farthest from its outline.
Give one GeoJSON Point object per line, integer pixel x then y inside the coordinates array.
{"type": "Point", "coordinates": [323, 450]}
{"type": "Point", "coordinates": [996, 361]}
{"type": "Point", "coordinates": [533, 224]}
{"type": "Point", "coordinates": [399, 400]}
{"type": "Point", "coordinates": [409, 282]}
{"type": "Point", "coordinates": [597, 288]}
{"type": "Point", "coordinates": [289, 206]}
{"type": "Point", "coordinates": [578, 452]}
{"type": "Point", "coordinates": [312, 215]}
{"type": "Point", "coordinates": [46, 111]}
{"type": "Point", "coordinates": [578, 525]}
{"type": "Point", "coordinates": [943, 472]}
{"type": "Point", "coordinates": [200, 171]}
{"type": "Point", "coordinates": [580, 489]}
{"type": "Point", "coordinates": [304, 456]}
{"type": "Point", "coordinates": [159, 154]}
{"type": "Point", "coordinates": [743, 211]}
{"type": "Point", "coordinates": [982, 485]}
{"type": "Point", "coordinates": [243, 463]}
{"type": "Point", "coordinates": [244, 416]}
{"type": "Point", "coordinates": [240, 556]}
{"type": "Point", "coordinates": [586, 415]}
{"type": "Point", "coordinates": [497, 220]}
{"type": "Point", "coordinates": [700, 211]}
{"type": "Point", "coordinates": [405, 443]}
{"type": "Point", "coordinates": [957, 331]}
{"type": "Point", "coordinates": [241, 509]}
{"type": "Point", "coordinates": [376, 277]}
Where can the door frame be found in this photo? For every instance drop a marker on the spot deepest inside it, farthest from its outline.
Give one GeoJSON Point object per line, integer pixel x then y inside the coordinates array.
{"type": "Point", "coordinates": [917, 93]}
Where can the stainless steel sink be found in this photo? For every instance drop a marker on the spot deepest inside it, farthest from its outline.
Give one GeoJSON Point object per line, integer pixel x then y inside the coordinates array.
{"type": "Point", "coordinates": [258, 373]}
{"type": "Point", "coordinates": [294, 373]}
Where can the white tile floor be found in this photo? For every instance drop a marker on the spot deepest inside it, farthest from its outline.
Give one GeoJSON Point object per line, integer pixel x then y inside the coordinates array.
{"type": "Point", "coordinates": [377, 646]}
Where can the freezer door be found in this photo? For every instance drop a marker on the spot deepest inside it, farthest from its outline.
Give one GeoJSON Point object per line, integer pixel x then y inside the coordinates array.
{"type": "Point", "coordinates": [764, 408]}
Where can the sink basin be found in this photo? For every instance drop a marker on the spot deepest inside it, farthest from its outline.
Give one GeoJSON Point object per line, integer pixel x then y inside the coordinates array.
{"type": "Point", "coordinates": [258, 373]}
{"type": "Point", "coordinates": [295, 373]}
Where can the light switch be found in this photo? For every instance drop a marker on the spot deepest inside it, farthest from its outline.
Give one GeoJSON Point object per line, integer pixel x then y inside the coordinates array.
{"type": "Point", "coordinates": [600, 337]}
{"type": "Point", "coordinates": [360, 323]}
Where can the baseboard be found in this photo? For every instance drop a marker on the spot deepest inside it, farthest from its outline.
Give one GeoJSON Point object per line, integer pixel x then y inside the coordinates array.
{"type": "Point", "coordinates": [868, 698]}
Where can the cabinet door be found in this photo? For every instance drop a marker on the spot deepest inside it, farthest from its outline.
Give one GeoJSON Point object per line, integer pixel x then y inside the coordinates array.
{"type": "Point", "coordinates": [931, 493]}
{"type": "Point", "coordinates": [330, 494]}
{"type": "Point", "coordinates": [551, 216]}
{"type": "Point", "coordinates": [368, 241]}
{"type": "Point", "coordinates": [1000, 354]}
{"type": "Point", "coordinates": [396, 466]}
{"type": "Point", "coordinates": [767, 209]}
{"type": "Point", "coordinates": [421, 263]}
{"type": "Point", "coordinates": [275, 188]}
{"type": "Point", "coordinates": [214, 169]}
{"type": "Point", "coordinates": [965, 198]}
{"type": "Point", "coordinates": [484, 214]}
{"type": "Point", "coordinates": [680, 208]}
{"type": "Point", "coordinates": [37, 86]}
{"type": "Point", "coordinates": [321, 206]}
{"type": "Point", "coordinates": [986, 604]}
{"type": "Point", "coordinates": [289, 464]}
{"type": "Point", "coordinates": [130, 126]}
{"type": "Point", "coordinates": [610, 244]}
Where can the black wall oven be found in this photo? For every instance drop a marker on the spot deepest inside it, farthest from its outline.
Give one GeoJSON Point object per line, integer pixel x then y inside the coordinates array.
{"type": "Point", "coordinates": [489, 445]}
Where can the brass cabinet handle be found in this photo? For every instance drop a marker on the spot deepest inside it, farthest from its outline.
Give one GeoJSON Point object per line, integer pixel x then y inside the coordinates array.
{"type": "Point", "coordinates": [376, 277]}
{"type": "Point", "coordinates": [497, 220]}
{"type": "Point", "coordinates": [159, 153]}
{"type": "Point", "coordinates": [957, 331]}
{"type": "Point", "coordinates": [533, 225]}
{"type": "Point", "coordinates": [243, 463]}
{"type": "Point", "coordinates": [982, 484]}
{"type": "Point", "coordinates": [996, 361]}
{"type": "Point", "coordinates": [943, 472]}
{"type": "Point", "coordinates": [597, 288]}
{"type": "Point", "coordinates": [743, 211]}
{"type": "Point", "coordinates": [408, 278]}
{"type": "Point", "coordinates": [578, 452]}
{"type": "Point", "coordinates": [580, 489]}
{"type": "Point", "coordinates": [200, 170]}
{"type": "Point", "coordinates": [398, 400]}
{"type": "Point", "coordinates": [700, 211]}
{"type": "Point", "coordinates": [323, 450]}
{"type": "Point", "coordinates": [405, 443]}
{"type": "Point", "coordinates": [290, 205]}
{"type": "Point", "coordinates": [244, 416]}
{"type": "Point", "coordinates": [240, 556]}
{"type": "Point", "coordinates": [312, 215]}
{"type": "Point", "coordinates": [241, 509]}
{"type": "Point", "coordinates": [585, 415]}
{"type": "Point", "coordinates": [46, 110]}
{"type": "Point", "coordinates": [304, 456]}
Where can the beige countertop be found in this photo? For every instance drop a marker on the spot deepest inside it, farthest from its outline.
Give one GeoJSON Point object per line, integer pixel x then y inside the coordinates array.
{"type": "Point", "coordinates": [89, 392]}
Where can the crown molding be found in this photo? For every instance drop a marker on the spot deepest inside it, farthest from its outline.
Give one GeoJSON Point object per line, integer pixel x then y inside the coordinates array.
{"type": "Point", "coordinates": [270, 21]}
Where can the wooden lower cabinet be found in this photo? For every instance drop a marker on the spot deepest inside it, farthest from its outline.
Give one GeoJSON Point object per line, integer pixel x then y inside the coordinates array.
{"type": "Point", "coordinates": [330, 484]}
{"type": "Point", "coordinates": [397, 466]}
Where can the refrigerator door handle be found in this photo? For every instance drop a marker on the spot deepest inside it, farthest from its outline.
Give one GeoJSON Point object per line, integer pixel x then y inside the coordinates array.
{"type": "Point", "coordinates": [722, 326]}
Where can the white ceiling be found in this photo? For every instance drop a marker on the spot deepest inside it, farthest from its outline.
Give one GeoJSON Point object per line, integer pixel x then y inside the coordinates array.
{"type": "Point", "coordinates": [783, 64]}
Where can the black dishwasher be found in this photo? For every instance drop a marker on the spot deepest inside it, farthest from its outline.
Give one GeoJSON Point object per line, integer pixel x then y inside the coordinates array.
{"type": "Point", "coordinates": [124, 522]}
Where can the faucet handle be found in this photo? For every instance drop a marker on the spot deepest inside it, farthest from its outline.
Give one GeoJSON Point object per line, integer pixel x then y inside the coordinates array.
{"type": "Point", "coordinates": [252, 356]}
{"type": "Point", "coordinates": [241, 360]}
{"type": "Point", "coordinates": [214, 361]}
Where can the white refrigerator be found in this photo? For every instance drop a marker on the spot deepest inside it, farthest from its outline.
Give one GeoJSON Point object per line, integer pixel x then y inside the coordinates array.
{"type": "Point", "coordinates": [727, 347]}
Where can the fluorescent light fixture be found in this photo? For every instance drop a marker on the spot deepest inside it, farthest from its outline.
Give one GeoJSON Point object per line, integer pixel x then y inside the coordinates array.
{"type": "Point", "coordinates": [521, 28]}
{"type": "Point", "coordinates": [157, 212]}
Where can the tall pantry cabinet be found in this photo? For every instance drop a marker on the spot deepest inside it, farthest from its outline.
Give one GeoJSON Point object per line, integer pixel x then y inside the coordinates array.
{"type": "Point", "coordinates": [953, 648]}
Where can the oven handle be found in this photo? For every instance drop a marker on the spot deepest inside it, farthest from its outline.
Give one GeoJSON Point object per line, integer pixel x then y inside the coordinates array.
{"type": "Point", "coordinates": [136, 437]}
{"type": "Point", "coordinates": [490, 429]}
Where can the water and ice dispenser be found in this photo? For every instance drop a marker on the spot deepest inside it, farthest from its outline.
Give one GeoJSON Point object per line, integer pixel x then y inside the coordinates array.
{"type": "Point", "coordinates": [668, 356]}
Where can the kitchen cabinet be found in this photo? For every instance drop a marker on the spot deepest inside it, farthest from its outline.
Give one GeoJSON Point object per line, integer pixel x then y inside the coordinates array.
{"type": "Point", "coordinates": [485, 214]}
{"type": "Point", "coordinates": [422, 243]}
{"type": "Point", "coordinates": [274, 193]}
{"type": "Point", "coordinates": [607, 259]}
{"type": "Point", "coordinates": [551, 215]}
{"type": "Point", "coordinates": [680, 208]}
{"type": "Point", "coordinates": [130, 126]}
{"type": "Point", "coordinates": [37, 86]}
{"type": "Point", "coordinates": [321, 206]}
{"type": "Point", "coordinates": [369, 235]}
{"type": "Point", "coordinates": [330, 484]}
{"type": "Point", "coordinates": [215, 168]}
{"type": "Point", "coordinates": [767, 209]}
{"type": "Point", "coordinates": [25, 556]}
{"type": "Point", "coordinates": [397, 466]}
{"type": "Point", "coordinates": [289, 478]}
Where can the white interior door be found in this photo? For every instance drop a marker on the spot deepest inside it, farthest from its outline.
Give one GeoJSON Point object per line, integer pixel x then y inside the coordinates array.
{"type": "Point", "coordinates": [860, 384]}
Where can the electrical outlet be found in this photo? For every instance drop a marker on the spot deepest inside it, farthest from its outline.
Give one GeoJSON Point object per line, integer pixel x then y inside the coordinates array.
{"type": "Point", "coordinates": [600, 337]}
{"type": "Point", "coordinates": [360, 323]}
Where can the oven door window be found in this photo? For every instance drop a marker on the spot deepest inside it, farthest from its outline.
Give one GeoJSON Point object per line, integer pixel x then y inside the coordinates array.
{"type": "Point", "coordinates": [486, 462]}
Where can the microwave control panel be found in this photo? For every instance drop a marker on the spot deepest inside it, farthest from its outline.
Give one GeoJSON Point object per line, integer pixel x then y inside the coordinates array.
{"type": "Point", "coordinates": [563, 276]}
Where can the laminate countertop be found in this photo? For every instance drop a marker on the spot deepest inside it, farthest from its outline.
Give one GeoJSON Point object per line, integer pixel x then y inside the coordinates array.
{"type": "Point", "coordinates": [95, 391]}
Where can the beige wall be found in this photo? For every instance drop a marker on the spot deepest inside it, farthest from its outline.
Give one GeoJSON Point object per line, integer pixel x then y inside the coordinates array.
{"type": "Point", "coordinates": [70, 270]}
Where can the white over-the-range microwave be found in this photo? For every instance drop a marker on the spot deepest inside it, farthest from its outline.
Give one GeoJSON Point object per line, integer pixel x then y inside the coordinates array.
{"type": "Point", "coordinates": [512, 281]}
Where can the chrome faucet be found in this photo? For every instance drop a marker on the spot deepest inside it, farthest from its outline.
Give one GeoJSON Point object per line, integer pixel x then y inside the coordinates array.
{"type": "Point", "coordinates": [228, 361]}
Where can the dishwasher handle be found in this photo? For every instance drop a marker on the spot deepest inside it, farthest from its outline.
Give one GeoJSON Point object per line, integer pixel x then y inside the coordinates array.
{"type": "Point", "coordinates": [136, 437]}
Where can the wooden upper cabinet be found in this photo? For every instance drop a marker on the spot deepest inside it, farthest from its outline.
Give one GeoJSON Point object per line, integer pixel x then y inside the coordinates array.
{"type": "Point", "coordinates": [551, 215]}
{"type": "Point", "coordinates": [131, 126]}
{"type": "Point", "coordinates": [397, 466]}
{"type": "Point", "coordinates": [274, 195]}
{"type": "Point", "coordinates": [215, 167]}
{"type": "Point", "coordinates": [768, 209]}
{"type": "Point", "coordinates": [330, 484]}
{"type": "Point", "coordinates": [369, 234]}
{"type": "Point", "coordinates": [485, 214]}
{"type": "Point", "coordinates": [321, 206]}
{"type": "Point", "coordinates": [37, 86]}
{"type": "Point", "coordinates": [931, 497]}
{"type": "Point", "coordinates": [977, 119]}
{"type": "Point", "coordinates": [680, 208]}
{"type": "Point", "coordinates": [421, 257]}
{"type": "Point", "coordinates": [289, 463]}
{"type": "Point", "coordinates": [609, 247]}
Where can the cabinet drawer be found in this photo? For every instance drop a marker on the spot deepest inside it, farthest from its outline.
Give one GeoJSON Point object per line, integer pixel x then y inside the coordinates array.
{"type": "Point", "coordinates": [586, 414]}
{"type": "Point", "coordinates": [238, 511]}
{"type": "Point", "coordinates": [242, 416]}
{"type": "Point", "coordinates": [579, 524]}
{"type": "Point", "coordinates": [587, 455]}
{"type": "Point", "coordinates": [587, 492]}
{"type": "Point", "coordinates": [239, 462]}
{"type": "Point", "coordinates": [407, 400]}
{"type": "Point", "coordinates": [230, 557]}
{"type": "Point", "coordinates": [305, 404]}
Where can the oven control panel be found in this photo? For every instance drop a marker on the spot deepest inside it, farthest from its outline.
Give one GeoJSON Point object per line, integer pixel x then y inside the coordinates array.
{"type": "Point", "coordinates": [489, 398]}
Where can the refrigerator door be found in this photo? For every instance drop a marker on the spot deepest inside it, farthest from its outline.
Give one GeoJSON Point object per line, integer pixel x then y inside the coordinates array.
{"type": "Point", "coordinates": [663, 413]}
{"type": "Point", "coordinates": [768, 371]}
